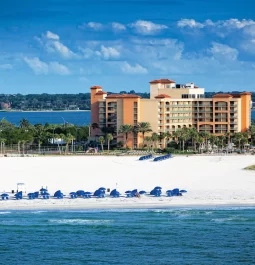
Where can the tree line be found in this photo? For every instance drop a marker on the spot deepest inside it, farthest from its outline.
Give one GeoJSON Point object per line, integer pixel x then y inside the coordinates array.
{"type": "Point", "coordinates": [26, 134]}
{"type": "Point", "coordinates": [187, 138]}
{"type": "Point", "coordinates": [45, 101]}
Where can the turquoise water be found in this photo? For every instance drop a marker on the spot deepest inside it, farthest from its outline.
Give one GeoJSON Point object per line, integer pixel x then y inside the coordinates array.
{"type": "Point", "coordinates": [156, 236]}
{"type": "Point", "coordinates": [75, 117]}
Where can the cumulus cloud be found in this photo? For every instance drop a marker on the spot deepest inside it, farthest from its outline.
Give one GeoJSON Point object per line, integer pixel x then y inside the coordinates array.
{"type": "Point", "coordinates": [104, 52]}
{"type": "Point", "coordinates": [135, 69]}
{"type": "Point", "coordinates": [147, 27]}
{"type": "Point", "coordinates": [118, 26]}
{"type": "Point", "coordinates": [51, 35]}
{"type": "Point", "coordinates": [5, 66]}
{"type": "Point", "coordinates": [222, 51]}
{"type": "Point", "coordinates": [191, 23]}
{"type": "Point", "coordinates": [51, 42]}
{"type": "Point", "coordinates": [108, 52]}
{"type": "Point", "coordinates": [92, 25]}
{"type": "Point", "coordinates": [42, 68]}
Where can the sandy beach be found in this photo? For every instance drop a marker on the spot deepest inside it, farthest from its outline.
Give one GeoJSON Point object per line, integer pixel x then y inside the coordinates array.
{"type": "Point", "coordinates": [209, 180]}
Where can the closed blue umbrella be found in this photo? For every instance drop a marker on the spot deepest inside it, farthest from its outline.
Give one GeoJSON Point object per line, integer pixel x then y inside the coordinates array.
{"type": "Point", "coordinates": [142, 192]}
{"type": "Point", "coordinates": [128, 191]}
{"type": "Point", "coordinates": [183, 191]}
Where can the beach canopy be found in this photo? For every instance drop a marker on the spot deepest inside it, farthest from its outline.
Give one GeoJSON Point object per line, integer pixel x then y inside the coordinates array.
{"type": "Point", "coordinates": [128, 191]}
{"type": "Point", "coordinates": [18, 195]}
{"type": "Point", "coordinates": [99, 193]}
{"type": "Point", "coordinates": [80, 193]}
{"type": "Point", "coordinates": [134, 191]}
{"type": "Point", "coordinates": [157, 188]}
{"type": "Point", "coordinates": [102, 188]}
{"type": "Point", "coordinates": [114, 193]}
{"type": "Point", "coordinates": [36, 194]}
{"type": "Point", "coordinates": [5, 195]}
{"type": "Point", "coordinates": [58, 194]}
{"type": "Point", "coordinates": [142, 192]}
{"type": "Point", "coordinates": [183, 191]}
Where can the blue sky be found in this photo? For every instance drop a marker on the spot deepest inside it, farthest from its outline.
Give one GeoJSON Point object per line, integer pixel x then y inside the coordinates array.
{"type": "Point", "coordinates": [64, 46]}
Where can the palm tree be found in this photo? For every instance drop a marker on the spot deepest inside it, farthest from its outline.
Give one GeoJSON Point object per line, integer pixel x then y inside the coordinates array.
{"type": "Point", "coordinates": [193, 134]}
{"type": "Point", "coordinates": [162, 136]}
{"type": "Point", "coordinates": [238, 138]}
{"type": "Point", "coordinates": [154, 138]}
{"type": "Point", "coordinates": [2, 141]}
{"type": "Point", "coordinates": [109, 138]}
{"type": "Point", "coordinates": [200, 142]}
{"type": "Point", "coordinates": [102, 141]}
{"type": "Point", "coordinates": [206, 136]}
{"type": "Point", "coordinates": [143, 127]}
{"type": "Point", "coordinates": [39, 135]}
{"type": "Point", "coordinates": [148, 140]}
{"type": "Point", "coordinates": [68, 139]}
{"type": "Point", "coordinates": [168, 137]}
{"type": "Point", "coordinates": [228, 136]}
{"type": "Point", "coordinates": [221, 140]}
{"type": "Point", "coordinates": [24, 123]}
{"type": "Point", "coordinates": [126, 129]}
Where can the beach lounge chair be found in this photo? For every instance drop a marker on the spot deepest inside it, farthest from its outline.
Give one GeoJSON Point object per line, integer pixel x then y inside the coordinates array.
{"type": "Point", "coordinates": [80, 193]}
{"type": "Point", "coordinates": [36, 194]}
{"type": "Point", "coordinates": [45, 196]}
{"type": "Point", "coordinates": [73, 195]}
{"type": "Point", "coordinates": [99, 193]}
{"type": "Point", "coordinates": [115, 194]}
{"type": "Point", "coordinates": [18, 195]}
{"type": "Point", "coordinates": [31, 196]}
{"type": "Point", "coordinates": [58, 194]}
{"type": "Point", "coordinates": [5, 196]}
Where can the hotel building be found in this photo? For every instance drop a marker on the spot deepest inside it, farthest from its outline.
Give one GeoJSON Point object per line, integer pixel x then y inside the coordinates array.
{"type": "Point", "coordinates": [170, 107]}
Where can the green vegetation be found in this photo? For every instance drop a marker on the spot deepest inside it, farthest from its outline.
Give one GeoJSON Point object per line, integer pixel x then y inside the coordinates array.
{"type": "Point", "coordinates": [56, 102]}
{"type": "Point", "coordinates": [250, 167]}
{"type": "Point", "coordinates": [29, 137]}
{"type": "Point", "coordinates": [189, 140]}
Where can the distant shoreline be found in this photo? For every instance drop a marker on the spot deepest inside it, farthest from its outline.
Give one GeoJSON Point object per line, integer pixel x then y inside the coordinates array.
{"type": "Point", "coordinates": [20, 111]}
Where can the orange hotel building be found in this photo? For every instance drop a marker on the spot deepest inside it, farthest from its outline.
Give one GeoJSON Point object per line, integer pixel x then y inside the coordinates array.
{"type": "Point", "coordinates": [171, 106]}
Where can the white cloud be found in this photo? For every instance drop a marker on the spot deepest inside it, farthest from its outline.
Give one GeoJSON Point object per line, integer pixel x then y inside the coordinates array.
{"type": "Point", "coordinates": [5, 66]}
{"type": "Point", "coordinates": [104, 52]}
{"type": "Point", "coordinates": [250, 30]}
{"type": "Point", "coordinates": [147, 27]}
{"type": "Point", "coordinates": [222, 51]}
{"type": "Point", "coordinates": [108, 52]}
{"type": "Point", "coordinates": [92, 25]}
{"type": "Point", "coordinates": [118, 26]}
{"type": "Point", "coordinates": [51, 42]}
{"type": "Point", "coordinates": [191, 23]}
{"type": "Point", "coordinates": [41, 68]}
{"type": "Point", "coordinates": [51, 35]}
{"type": "Point", "coordinates": [249, 46]}
{"type": "Point", "coordinates": [60, 48]}
{"type": "Point", "coordinates": [232, 23]}
{"type": "Point", "coordinates": [136, 69]}
{"type": "Point", "coordinates": [38, 66]}
{"type": "Point", "coordinates": [57, 68]}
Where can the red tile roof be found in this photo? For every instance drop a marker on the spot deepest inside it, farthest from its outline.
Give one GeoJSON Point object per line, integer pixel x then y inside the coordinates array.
{"type": "Point", "coordinates": [96, 87]}
{"type": "Point", "coordinates": [245, 93]}
{"type": "Point", "coordinates": [100, 93]}
{"type": "Point", "coordinates": [162, 81]}
{"type": "Point", "coordinates": [222, 96]}
{"type": "Point", "coordinates": [196, 87]}
{"type": "Point", "coordinates": [162, 96]}
{"type": "Point", "coordinates": [123, 96]}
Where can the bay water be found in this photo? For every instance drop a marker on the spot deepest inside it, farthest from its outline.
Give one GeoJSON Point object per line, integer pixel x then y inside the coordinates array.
{"type": "Point", "coordinates": [75, 117]}
{"type": "Point", "coordinates": [129, 236]}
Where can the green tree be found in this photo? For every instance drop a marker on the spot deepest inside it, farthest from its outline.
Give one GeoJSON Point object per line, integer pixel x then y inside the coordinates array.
{"type": "Point", "coordinates": [68, 139]}
{"type": "Point", "coordinates": [154, 139]}
{"type": "Point", "coordinates": [126, 129]}
{"type": "Point", "coordinates": [109, 138]}
{"type": "Point", "coordinates": [143, 128]}
{"type": "Point", "coordinates": [101, 141]}
{"type": "Point", "coordinates": [24, 124]}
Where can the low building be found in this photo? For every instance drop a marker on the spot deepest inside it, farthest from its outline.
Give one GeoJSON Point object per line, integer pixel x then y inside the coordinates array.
{"type": "Point", "coordinates": [171, 107]}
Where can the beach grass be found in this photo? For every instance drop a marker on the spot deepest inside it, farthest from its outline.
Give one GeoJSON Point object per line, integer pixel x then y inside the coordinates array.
{"type": "Point", "coordinates": [252, 167]}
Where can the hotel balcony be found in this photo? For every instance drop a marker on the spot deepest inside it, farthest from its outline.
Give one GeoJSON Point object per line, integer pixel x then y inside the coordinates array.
{"type": "Point", "coordinates": [101, 110]}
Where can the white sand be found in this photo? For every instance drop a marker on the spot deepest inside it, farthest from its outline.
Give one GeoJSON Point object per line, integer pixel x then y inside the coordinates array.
{"type": "Point", "coordinates": [209, 180]}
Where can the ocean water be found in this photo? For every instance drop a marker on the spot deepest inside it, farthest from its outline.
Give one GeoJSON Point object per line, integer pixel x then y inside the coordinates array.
{"type": "Point", "coordinates": [81, 118]}
{"type": "Point", "coordinates": [74, 117]}
{"type": "Point", "coordinates": [152, 236]}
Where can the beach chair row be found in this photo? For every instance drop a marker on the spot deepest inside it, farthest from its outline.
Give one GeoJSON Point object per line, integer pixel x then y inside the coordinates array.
{"type": "Point", "coordinates": [161, 158]}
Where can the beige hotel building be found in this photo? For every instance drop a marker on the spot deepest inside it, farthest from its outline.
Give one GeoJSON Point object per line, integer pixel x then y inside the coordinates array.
{"type": "Point", "coordinates": [171, 106]}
